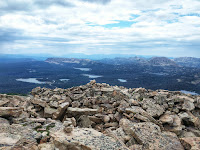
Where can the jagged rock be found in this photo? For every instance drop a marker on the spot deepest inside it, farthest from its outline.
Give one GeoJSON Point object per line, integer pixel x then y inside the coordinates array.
{"type": "Point", "coordinates": [8, 140]}
{"type": "Point", "coordinates": [4, 121]}
{"type": "Point", "coordinates": [120, 134]}
{"type": "Point", "coordinates": [186, 134]}
{"type": "Point", "coordinates": [184, 98]}
{"type": "Point", "coordinates": [53, 104]}
{"type": "Point", "coordinates": [10, 111]}
{"type": "Point", "coordinates": [39, 120]}
{"type": "Point", "coordinates": [133, 102]}
{"type": "Point", "coordinates": [189, 119]}
{"type": "Point", "coordinates": [106, 119]}
{"type": "Point", "coordinates": [84, 122]}
{"type": "Point", "coordinates": [107, 90]}
{"type": "Point", "coordinates": [69, 121]}
{"type": "Point", "coordinates": [136, 147]}
{"type": "Point", "coordinates": [191, 143]}
{"type": "Point", "coordinates": [48, 112]}
{"type": "Point", "coordinates": [69, 129]}
{"type": "Point", "coordinates": [134, 118]}
{"type": "Point", "coordinates": [4, 101]}
{"type": "Point", "coordinates": [152, 108]}
{"type": "Point", "coordinates": [135, 110]}
{"type": "Point", "coordinates": [60, 110]}
{"type": "Point", "coordinates": [39, 102]}
{"type": "Point", "coordinates": [96, 119]}
{"type": "Point", "coordinates": [111, 124]}
{"type": "Point", "coordinates": [86, 139]}
{"type": "Point", "coordinates": [46, 146]}
{"type": "Point", "coordinates": [81, 111]}
{"type": "Point", "coordinates": [188, 105]}
{"type": "Point", "coordinates": [15, 135]}
{"type": "Point", "coordinates": [151, 136]}
{"type": "Point", "coordinates": [171, 123]}
{"type": "Point", "coordinates": [167, 118]}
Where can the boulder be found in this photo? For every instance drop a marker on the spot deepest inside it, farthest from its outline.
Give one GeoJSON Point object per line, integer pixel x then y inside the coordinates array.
{"type": "Point", "coordinates": [60, 110]}
{"type": "Point", "coordinates": [191, 143]}
{"type": "Point", "coordinates": [84, 139]}
{"type": "Point", "coordinates": [4, 121]}
{"type": "Point", "coordinates": [153, 109]}
{"type": "Point", "coordinates": [135, 110]}
{"type": "Point", "coordinates": [188, 105]}
{"type": "Point", "coordinates": [184, 98]}
{"type": "Point", "coordinates": [39, 102]}
{"type": "Point", "coordinates": [150, 135]}
{"type": "Point", "coordinates": [84, 122]}
{"type": "Point", "coordinates": [48, 112]}
{"type": "Point", "coordinates": [189, 119]}
{"type": "Point", "coordinates": [46, 146]}
{"type": "Point", "coordinates": [171, 123]}
{"type": "Point", "coordinates": [16, 135]}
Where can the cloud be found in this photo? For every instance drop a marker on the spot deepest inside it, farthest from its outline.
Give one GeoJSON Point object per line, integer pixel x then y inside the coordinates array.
{"type": "Point", "coordinates": [158, 27]}
{"type": "Point", "coordinates": [98, 1]}
{"type": "Point", "coordinates": [47, 3]}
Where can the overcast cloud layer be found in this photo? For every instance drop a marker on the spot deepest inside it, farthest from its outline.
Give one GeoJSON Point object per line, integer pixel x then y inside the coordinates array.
{"type": "Point", "coordinates": [153, 27]}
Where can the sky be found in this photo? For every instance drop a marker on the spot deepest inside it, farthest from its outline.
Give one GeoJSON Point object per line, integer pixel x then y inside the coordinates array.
{"type": "Point", "coordinates": [60, 27]}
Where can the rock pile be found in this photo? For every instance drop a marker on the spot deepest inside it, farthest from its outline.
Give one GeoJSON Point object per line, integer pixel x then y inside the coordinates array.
{"type": "Point", "coordinates": [100, 117]}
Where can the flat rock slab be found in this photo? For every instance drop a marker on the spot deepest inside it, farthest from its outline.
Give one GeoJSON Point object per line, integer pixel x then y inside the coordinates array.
{"type": "Point", "coordinates": [86, 139]}
{"type": "Point", "coordinates": [10, 111]}
{"type": "Point", "coordinates": [135, 110]}
{"type": "Point", "coordinates": [81, 111]}
{"type": "Point", "coordinates": [150, 135]}
{"type": "Point", "coordinates": [192, 143]}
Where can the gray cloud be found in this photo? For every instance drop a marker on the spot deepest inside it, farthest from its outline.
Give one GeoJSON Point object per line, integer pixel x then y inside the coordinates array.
{"type": "Point", "coordinates": [10, 35]}
{"type": "Point", "coordinates": [98, 1]}
{"type": "Point", "coordinates": [10, 6]}
{"type": "Point", "coordinates": [47, 3]}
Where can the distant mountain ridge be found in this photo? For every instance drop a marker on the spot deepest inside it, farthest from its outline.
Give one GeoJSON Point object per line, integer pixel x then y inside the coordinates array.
{"type": "Point", "coordinates": [153, 61]}
{"type": "Point", "coordinates": [188, 61]}
{"type": "Point", "coordinates": [162, 61]}
{"type": "Point", "coordinates": [70, 60]}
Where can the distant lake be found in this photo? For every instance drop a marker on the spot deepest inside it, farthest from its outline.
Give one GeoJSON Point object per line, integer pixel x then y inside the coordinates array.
{"type": "Point", "coordinates": [92, 76]}
{"type": "Point", "coordinates": [64, 80]}
{"type": "Point", "coordinates": [31, 80]}
{"type": "Point", "coordinates": [188, 92]}
{"type": "Point", "coordinates": [84, 69]}
{"type": "Point", "coordinates": [31, 70]}
{"type": "Point", "coordinates": [122, 80]}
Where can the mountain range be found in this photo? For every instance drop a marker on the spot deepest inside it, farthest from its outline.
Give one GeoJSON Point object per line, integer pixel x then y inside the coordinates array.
{"type": "Point", "coordinates": [20, 75]}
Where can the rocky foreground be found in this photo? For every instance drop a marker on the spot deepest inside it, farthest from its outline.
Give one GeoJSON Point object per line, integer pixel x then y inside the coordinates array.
{"type": "Point", "coordinates": [100, 117]}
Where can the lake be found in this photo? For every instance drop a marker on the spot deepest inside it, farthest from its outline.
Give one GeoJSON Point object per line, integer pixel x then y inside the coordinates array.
{"type": "Point", "coordinates": [122, 80]}
{"type": "Point", "coordinates": [92, 76]}
{"type": "Point", "coordinates": [31, 80]}
{"type": "Point", "coordinates": [188, 92]}
{"type": "Point", "coordinates": [64, 80]}
{"type": "Point", "coordinates": [84, 69]}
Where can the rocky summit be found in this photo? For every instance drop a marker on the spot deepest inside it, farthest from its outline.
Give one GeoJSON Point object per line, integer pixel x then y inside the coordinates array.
{"type": "Point", "coordinates": [100, 117]}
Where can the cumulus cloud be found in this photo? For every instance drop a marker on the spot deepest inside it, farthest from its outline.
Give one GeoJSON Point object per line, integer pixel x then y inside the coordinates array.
{"type": "Point", "coordinates": [156, 27]}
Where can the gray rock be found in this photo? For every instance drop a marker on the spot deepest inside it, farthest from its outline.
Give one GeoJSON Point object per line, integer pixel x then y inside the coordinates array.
{"type": "Point", "coordinates": [81, 111]}
{"type": "Point", "coordinates": [86, 139]}
{"type": "Point", "coordinates": [60, 110]}
{"type": "Point", "coordinates": [10, 111]}
{"type": "Point", "coordinates": [152, 108]}
{"type": "Point", "coordinates": [151, 137]}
